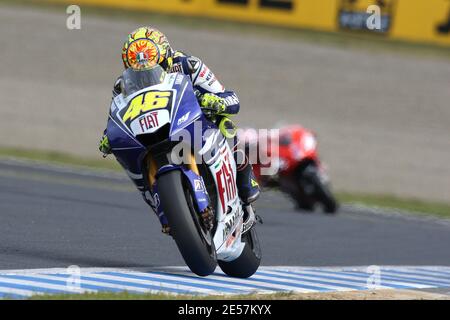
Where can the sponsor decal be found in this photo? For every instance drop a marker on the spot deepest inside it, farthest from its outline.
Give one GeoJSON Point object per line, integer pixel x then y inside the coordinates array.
{"type": "Point", "coordinates": [353, 15]}
{"type": "Point", "coordinates": [119, 103]}
{"type": "Point", "coordinates": [232, 237]}
{"type": "Point", "coordinates": [149, 121]}
{"type": "Point", "coordinates": [229, 226]}
{"type": "Point", "coordinates": [156, 200]}
{"type": "Point", "coordinates": [177, 68]}
{"type": "Point", "coordinates": [203, 72]}
{"type": "Point", "coordinates": [149, 199]}
{"type": "Point", "coordinates": [231, 100]}
{"type": "Point", "coordinates": [193, 63]}
{"type": "Point", "coordinates": [198, 184]}
{"type": "Point", "coordinates": [209, 76]}
{"type": "Point", "coordinates": [113, 108]}
{"type": "Point", "coordinates": [183, 118]}
{"type": "Point", "coordinates": [212, 82]}
{"type": "Point", "coordinates": [226, 182]}
{"type": "Point", "coordinates": [178, 80]}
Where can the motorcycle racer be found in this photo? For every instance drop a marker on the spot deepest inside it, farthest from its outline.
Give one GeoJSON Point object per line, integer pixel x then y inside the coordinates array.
{"type": "Point", "coordinates": [147, 44]}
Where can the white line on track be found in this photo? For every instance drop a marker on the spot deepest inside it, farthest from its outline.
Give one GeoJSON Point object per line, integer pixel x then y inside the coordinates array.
{"type": "Point", "coordinates": [125, 287]}
{"type": "Point", "coordinates": [176, 277]}
{"type": "Point", "coordinates": [321, 278]}
{"type": "Point", "coordinates": [361, 279]}
{"type": "Point", "coordinates": [39, 284]}
{"type": "Point", "coordinates": [176, 280]}
{"type": "Point", "coordinates": [5, 291]}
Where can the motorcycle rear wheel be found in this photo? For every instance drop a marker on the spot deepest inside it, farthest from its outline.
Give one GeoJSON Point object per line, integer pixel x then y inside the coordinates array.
{"type": "Point", "coordinates": [249, 260]}
{"type": "Point", "coordinates": [195, 243]}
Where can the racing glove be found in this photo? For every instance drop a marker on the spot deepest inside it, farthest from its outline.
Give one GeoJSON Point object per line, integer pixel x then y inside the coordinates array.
{"type": "Point", "coordinates": [212, 104]}
{"type": "Point", "coordinates": [104, 146]}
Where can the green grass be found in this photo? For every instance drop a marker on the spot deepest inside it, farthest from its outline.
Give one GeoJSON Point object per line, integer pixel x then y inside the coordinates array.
{"type": "Point", "coordinates": [60, 158]}
{"type": "Point", "coordinates": [161, 296]}
{"type": "Point", "coordinates": [353, 40]}
{"type": "Point", "coordinates": [414, 206]}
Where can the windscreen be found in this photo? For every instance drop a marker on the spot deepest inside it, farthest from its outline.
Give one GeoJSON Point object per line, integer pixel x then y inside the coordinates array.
{"type": "Point", "coordinates": [134, 81]}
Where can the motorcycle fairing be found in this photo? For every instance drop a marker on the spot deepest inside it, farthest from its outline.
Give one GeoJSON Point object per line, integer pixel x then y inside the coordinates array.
{"type": "Point", "coordinates": [128, 151]}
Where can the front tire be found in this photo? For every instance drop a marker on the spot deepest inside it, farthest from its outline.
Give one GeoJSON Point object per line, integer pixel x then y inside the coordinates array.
{"type": "Point", "coordinates": [249, 260]}
{"type": "Point", "coordinates": [194, 242]}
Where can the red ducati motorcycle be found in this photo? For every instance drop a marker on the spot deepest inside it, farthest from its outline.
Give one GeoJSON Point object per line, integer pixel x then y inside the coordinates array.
{"type": "Point", "coordinates": [300, 172]}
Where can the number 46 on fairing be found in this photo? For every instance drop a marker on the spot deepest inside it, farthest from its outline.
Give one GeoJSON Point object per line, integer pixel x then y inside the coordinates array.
{"type": "Point", "coordinates": [147, 101]}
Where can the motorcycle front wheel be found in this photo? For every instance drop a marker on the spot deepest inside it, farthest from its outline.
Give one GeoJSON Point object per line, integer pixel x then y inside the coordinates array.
{"type": "Point", "coordinates": [195, 243]}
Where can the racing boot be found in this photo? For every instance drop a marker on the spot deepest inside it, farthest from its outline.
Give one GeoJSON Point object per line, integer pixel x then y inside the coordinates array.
{"type": "Point", "coordinates": [248, 187]}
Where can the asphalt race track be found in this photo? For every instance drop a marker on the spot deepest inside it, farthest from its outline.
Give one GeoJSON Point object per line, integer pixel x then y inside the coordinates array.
{"type": "Point", "coordinates": [380, 116]}
{"type": "Point", "coordinates": [57, 217]}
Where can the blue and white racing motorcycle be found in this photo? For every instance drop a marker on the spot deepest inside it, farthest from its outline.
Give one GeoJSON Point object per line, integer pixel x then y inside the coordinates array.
{"type": "Point", "coordinates": [183, 165]}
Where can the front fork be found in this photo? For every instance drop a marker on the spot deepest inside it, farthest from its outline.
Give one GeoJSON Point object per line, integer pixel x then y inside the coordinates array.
{"type": "Point", "coordinates": [197, 186]}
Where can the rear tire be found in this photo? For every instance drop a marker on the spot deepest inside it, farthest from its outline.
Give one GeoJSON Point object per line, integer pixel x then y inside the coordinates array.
{"type": "Point", "coordinates": [195, 244]}
{"type": "Point", "coordinates": [249, 260]}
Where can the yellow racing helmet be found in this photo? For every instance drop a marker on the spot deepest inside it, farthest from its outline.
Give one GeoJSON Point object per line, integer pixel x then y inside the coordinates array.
{"type": "Point", "coordinates": [145, 47]}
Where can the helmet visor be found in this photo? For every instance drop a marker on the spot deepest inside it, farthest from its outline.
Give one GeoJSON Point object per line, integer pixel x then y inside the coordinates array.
{"type": "Point", "coordinates": [134, 80]}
